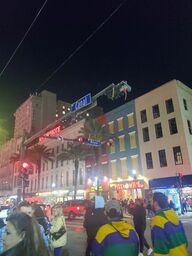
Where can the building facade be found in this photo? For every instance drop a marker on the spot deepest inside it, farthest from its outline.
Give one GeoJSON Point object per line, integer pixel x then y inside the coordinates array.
{"type": "Point", "coordinates": [124, 156]}
{"type": "Point", "coordinates": [164, 117]}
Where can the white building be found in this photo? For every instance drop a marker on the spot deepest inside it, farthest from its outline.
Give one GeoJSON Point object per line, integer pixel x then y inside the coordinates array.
{"type": "Point", "coordinates": [57, 177]}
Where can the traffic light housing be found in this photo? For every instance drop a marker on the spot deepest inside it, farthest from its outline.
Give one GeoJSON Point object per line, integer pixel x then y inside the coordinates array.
{"type": "Point", "coordinates": [109, 143]}
{"type": "Point", "coordinates": [81, 139]}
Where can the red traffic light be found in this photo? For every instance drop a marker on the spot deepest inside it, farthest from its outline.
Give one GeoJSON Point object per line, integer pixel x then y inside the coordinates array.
{"type": "Point", "coordinates": [81, 139]}
{"type": "Point", "coordinates": [25, 165]}
{"type": "Point", "coordinates": [109, 143]}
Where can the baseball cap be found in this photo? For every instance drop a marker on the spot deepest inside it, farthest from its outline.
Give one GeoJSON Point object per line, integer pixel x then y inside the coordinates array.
{"type": "Point", "coordinates": [112, 204]}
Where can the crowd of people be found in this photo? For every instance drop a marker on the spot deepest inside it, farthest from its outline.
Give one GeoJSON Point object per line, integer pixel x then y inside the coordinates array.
{"type": "Point", "coordinates": [32, 231]}
{"type": "Point", "coordinates": [110, 235]}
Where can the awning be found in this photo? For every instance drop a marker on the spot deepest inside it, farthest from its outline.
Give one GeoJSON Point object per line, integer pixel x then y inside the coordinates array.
{"type": "Point", "coordinates": [170, 182]}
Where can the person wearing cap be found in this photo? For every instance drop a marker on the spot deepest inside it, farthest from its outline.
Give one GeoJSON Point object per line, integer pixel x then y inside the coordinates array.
{"type": "Point", "coordinates": [167, 232]}
{"type": "Point", "coordinates": [117, 237]}
{"type": "Point", "coordinates": [139, 220]}
{"type": "Point", "coordinates": [94, 221]}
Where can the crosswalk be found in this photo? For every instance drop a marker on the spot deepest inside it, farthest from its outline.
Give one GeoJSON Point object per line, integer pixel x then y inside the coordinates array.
{"type": "Point", "coordinates": [75, 225]}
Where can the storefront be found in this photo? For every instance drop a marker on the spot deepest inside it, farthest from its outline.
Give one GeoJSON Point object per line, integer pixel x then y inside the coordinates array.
{"type": "Point", "coordinates": [91, 188]}
{"type": "Point", "coordinates": [127, 189]}
{"type": "Point", "coordinates": [173, 188]}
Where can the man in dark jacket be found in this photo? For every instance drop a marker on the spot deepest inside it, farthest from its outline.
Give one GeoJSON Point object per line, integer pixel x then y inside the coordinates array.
{"type": "Point", "coordinates": [94, 221]}
{"type": "Point", "coordinates": [139, 219]}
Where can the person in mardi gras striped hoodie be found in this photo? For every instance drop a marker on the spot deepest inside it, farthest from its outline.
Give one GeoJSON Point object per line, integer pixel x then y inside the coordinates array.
{"type": "Point", "coordinates": [167, 232]}
{"type": "Point", "coordinates": [116, 238]}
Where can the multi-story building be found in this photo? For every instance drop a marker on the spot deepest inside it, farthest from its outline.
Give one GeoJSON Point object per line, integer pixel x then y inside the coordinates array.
{"type": "Point", "coordinates": [164, 123]}
{"type": "Point", "coordinates": [38, 111]}
{"type": "Point", "coordinates": [6, 168]}
{"type": "Point", "coordinates": [126, 173]}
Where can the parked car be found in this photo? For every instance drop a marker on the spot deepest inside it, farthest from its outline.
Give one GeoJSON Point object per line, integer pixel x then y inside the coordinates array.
{"type": "Point", "coordinates": [74, 208]}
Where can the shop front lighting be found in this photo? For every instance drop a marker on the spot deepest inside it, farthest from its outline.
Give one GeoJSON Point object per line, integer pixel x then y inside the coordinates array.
{"type": "Point", "coordinates": [105, 179]}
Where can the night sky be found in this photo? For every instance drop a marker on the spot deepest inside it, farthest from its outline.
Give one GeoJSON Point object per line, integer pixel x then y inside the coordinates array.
{"type": "Point", "coordinates": [146, 43]}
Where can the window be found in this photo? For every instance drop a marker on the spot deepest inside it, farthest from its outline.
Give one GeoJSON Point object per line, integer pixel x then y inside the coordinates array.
{"type": "Point", "coordinates": [62, 147]}
{"type": "Point", "coordinates": [177, 155]}
{"type": "Point", "coordinates": [143, 114]}
{"type": "Point", "coordinates": [122, 143]}
{"type": "Point", "coordinates": [103, 149]}
{"type": "Point", "coordinates": [57, 163]}
{"type": "Point", "coordinates": [158, 130]}
{"type": "Point", "coordinates": [145, 134]}
{"type": "Point", "coordinates": [111, 127]}
{"type": "Point", "coordinates": [132, 138]}
{"type": "Point", "coordinates": [112, 148]}
{"type": "Point", "coordinates": [31, 185]}
{"type": "Point", "coordinates": [162, 158]}
{"type": "Point", "coordinates": [149, 160]}
{"type": "Point", "coordinates": [80, 177]}
{"type": "Point", "coordinates": [185, 104]}
{"type": "Point", "coordinates": [104, 169]}
{"type": "Point", "coordinates": [67, 179]}
{"type": "Point", "coordinates": [156, 112]}
{"type": "Point", "coordinates": [120, 124]}
{"type": "Point", "coordinates": [43, 167]}
{"type": "Point", "coordinates": [135, 165]}
{"type": "Point", "coordinates": [114, 169]}
{"type": "Point", "coordinates": [73, 177]}
{"type": "Point", "coordinates": [62, 161]}
{"type": "Point", "coordinates": [53, 151]}
{"type": "Point", "coordinates": [130, 120]}
{"type": "Point", "coordinates": [124, 167]}
{"type": "Point", "coordinates": [61, 179]}
{"type": "Point", "coordinates": [52, 163]}
{"type": "Point", "coordinates": [42, 183]}
{"type": "Point", "coordinates": [172, 126]}
{"type": "Point", "coordinates": [57, 149]}
{"type": "Point", "coordinates": [56, 180]}
{"type": "Point", "coordinates": [169, 106]}
{"type": "Point", "coordinates": [189, 126]}
{"type": "Point", "coordinates": [46, 184]}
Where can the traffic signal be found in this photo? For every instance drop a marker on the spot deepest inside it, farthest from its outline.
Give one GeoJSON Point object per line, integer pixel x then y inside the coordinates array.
{"type": "Point", "coordinates": [81, 139]}
{"type": "Point", "coordinates": [109, 143]}
{"type": "Point", "coordinates": [26, 167]}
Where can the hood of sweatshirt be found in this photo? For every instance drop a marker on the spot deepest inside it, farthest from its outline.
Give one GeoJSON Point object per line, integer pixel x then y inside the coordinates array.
{"type": "Point", "coordinates": [171, 216]}
{"type": "Point", "coordinates": [122, 227]}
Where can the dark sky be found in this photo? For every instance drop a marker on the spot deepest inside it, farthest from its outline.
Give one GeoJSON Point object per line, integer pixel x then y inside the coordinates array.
{"type": "Point", "coordinates": [146, 43]}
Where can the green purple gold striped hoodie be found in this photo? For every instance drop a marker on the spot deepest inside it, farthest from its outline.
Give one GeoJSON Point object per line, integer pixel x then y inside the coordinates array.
{"type": "Point", "coordinates": [168, 235]}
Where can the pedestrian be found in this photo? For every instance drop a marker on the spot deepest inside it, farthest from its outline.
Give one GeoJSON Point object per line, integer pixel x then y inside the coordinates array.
{"type": "Point", "coordinates": [167, 232]}
{"type": "Point", "coordinates": [171, 205]}
{"type": "Point", "coordinates": [117, 237]}
{"type": "Point", "coordinates": [58, 231]}
{"type": "Point", "coordinates": [88, 214]}
{"type": "Point", "coordinates": [28, 208]}
{"type": "Point", "coordinates": [22, 237]}
{"type": "Point", "coordinates": [184, 205]}
{"type": "Point", "coordinates": [2, 232]}
{"type": "Point", "coordinates": [94, 221]}
{"type": "Point", "coordinates": [139, 220]}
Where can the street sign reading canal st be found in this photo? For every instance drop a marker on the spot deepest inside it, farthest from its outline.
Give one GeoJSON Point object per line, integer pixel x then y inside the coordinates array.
{"type": "Point", "coordinates": [94, 143]}
{"type": "Point", "coordinates": [81, 103]}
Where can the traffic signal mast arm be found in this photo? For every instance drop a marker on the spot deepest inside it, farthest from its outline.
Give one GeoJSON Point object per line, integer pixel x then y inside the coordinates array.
{"type": "Point", "coordinates": [108, 91]}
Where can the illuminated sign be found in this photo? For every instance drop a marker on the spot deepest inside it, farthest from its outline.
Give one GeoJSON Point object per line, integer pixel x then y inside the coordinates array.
{"type": "Point", "coordinates": [137, 184]}
{"type": "Point", "coordinates": [51, 133]}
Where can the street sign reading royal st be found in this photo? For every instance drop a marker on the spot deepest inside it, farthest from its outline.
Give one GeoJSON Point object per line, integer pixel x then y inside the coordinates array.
{"type": "Point", "coordinates": [81, 103]}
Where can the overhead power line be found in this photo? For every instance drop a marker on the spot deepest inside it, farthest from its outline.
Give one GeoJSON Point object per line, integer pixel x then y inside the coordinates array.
{"type": "Point", "coordinates": [80, 46]}
{"type": "Point", "coordinates": [23, 38]}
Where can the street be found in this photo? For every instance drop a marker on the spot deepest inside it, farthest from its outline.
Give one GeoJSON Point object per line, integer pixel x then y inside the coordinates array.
{"type": "Point", "coordinates": [77, 236]}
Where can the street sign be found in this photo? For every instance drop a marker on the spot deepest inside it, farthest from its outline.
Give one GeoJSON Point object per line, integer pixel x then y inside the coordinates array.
{"type": "Point", "coordinates": [81, 103]}
{"type": "Point", "coordinates": [94, 143]}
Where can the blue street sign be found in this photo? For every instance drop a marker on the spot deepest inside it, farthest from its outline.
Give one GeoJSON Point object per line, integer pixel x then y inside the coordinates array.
{"type": "Point", "coordinates": [81, 103]}
{"type": "Point", "coordinates": [94, 143]}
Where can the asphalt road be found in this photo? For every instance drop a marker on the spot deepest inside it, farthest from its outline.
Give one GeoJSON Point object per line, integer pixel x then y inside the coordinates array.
{"type": "Point", "coordinates": [77, 236]}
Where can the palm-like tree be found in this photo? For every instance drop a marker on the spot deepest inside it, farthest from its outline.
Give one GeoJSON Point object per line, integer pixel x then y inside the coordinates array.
{"type": "Point", "coordinates": [93, 129]}
{"type": "Point", "coordinates": [36, 154]}
{"type": "Point", "coordinates": [3, 132]}
{"type": "Point", "coordinates": [75, 152]}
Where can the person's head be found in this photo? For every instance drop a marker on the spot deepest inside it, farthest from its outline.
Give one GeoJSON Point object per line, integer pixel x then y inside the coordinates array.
{"type": "Point", "coordinates": [38, 212]}
{"type": "Point", "coordinates": [26, 207]}
{"type": "Point", "coordinates": [138, 202]}
{"type": "Point", "coordinates": [22, 234]}
{"type": "Point", "coordinates": [160, 201]}
{"type": "Point", "coordinates": [57, 211]}
{"type": "Point", "coordinates": [113, 209]}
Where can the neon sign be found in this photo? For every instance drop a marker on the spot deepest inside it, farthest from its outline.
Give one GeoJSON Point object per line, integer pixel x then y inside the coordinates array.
{"type": "Point", "coordinates": [130, 185]}
{"type": "Point", "coordinates": [51, 133]}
